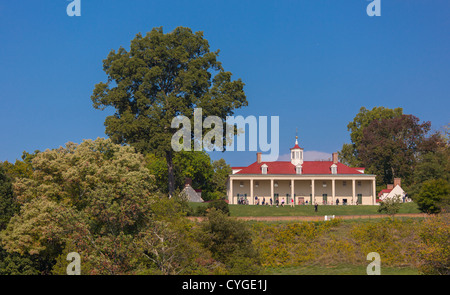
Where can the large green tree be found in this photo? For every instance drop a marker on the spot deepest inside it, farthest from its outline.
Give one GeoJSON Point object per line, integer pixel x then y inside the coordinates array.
{"type": "Point", "coordinates": [94, 197]}
{"type": "Point", "coordinates": [389, 148]}
{"type": "Point", "coordinates": [349, 152]}
{"type": "Point", "coordinates": [160, 77]}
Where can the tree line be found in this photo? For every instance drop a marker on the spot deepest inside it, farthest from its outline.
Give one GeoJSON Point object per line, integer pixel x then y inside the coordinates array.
{"type": "Point", "coordinates": [100, 200]}
{"type": "Point", "coordinates": [392, 144]}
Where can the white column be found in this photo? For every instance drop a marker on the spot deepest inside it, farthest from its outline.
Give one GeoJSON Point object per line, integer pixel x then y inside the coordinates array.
{"type": "Point", "coordinates": [353, 191]}
{"type": "Point", "coordinates": [312, 192]}
{"type": "Point", "coordinates": [271, 191]}
{"type": "Point", "coordinates": [374, 192]}
{"type": "Point", "coordinates": [333, 191]}
{"type": "Point", "coordinates": [292, 191]}
{"type": "Point", "coordinates": [251, 191]}
{"type": "Point", "coordinates": [230, 197]}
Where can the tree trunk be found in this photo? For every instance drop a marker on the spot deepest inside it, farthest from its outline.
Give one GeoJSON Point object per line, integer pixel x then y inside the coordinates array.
{"type": "Point", "coordinates": [171, 178]}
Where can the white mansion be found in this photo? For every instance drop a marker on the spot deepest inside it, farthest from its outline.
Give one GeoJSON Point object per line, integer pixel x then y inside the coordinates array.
{"type": "Point", "coordinates": [301, 182]}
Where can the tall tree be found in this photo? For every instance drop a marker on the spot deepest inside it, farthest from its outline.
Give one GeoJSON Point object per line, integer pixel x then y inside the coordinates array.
{"type": "Point", "coordinates": [349, 152]}
{"type": "Point", "coordinates": [163, 76]}
{"type": "Point", "coordinates": [221, 172]}
{"type": "Point", "coordinates": [95, 196]}
{"type": "Point", "coordinates": [390, 147]}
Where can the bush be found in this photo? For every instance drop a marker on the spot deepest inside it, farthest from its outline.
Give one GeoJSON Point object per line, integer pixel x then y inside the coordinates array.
{"type": "Point", "coordinates": [435, 246]}
{"type": "Point", "coordinates": [390, 205]}
{"type": "Point", "coordinates": [220, 205]}
{"type": "Point", "coordinates": [230, 242]}
{"type": "Point", "coordinates": [433, 196]}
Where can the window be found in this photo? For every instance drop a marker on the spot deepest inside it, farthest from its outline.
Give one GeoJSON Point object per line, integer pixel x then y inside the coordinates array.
{"type": "Point", "coordinates": [324, 184]}
{"type": "Point", "coordinates": [344, 183]}
{"type": "Point", "coordinates": [264, 169]}
{"type": "Point", "coordinates": [298, 169]}
{"type": "Point", "coordinates": [359, 183]}
{"type": "Point", "coordinates": [241, 184]}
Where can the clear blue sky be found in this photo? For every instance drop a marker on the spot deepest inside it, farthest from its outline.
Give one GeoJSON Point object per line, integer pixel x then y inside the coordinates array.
{"type": "Point", "coordinates": [312, 63]}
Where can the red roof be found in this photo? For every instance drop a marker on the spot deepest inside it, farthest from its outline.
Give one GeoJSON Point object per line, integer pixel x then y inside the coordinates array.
{"type": "Point", "coordinates": [296, 147]}
{"type": "Point", "coordinates": [308, 167]}
{"type": "Point", "coordinates": [386, 190]}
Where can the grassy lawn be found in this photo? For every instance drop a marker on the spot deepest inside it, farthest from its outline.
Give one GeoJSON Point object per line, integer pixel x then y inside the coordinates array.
{"type": "Point", "coordinates": [338, 270]}
{"type": "Point", "coordinates": [308, 210]}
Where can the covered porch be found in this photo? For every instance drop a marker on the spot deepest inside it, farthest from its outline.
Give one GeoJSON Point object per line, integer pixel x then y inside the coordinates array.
{"type": "Point", "coordinates": [302, 190]}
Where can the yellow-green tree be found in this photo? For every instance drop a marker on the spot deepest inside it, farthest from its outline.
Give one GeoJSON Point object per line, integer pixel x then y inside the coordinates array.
{"type": "Point", "coordinates": [96, 195]}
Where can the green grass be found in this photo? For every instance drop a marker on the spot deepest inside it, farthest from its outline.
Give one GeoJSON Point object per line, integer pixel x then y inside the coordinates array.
{"type": "Point", "coordinates": [308, 210]}
{"type": "Point", "coordinates": [338, 270]}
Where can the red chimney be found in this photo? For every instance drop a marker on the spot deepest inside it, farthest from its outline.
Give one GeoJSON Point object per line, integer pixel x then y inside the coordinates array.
{"type": "Point", "coordinates": [335, 158]}
{"type": "Point", "coordinates": [258, 158]}
{"type": "Point", "coordinates": [397, 181]}
{"type": "Point", "coordinates": [390, 186]}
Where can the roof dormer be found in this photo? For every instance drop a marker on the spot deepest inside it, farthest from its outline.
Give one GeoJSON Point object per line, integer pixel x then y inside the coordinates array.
{"type": "Point", "coordinates": [333, 169]}
{"type": "Point", "coordinates": [264, 169]}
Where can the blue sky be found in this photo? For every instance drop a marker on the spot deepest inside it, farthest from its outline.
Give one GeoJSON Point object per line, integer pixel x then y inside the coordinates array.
{"type": "Point", "coordinates": [313, 63]}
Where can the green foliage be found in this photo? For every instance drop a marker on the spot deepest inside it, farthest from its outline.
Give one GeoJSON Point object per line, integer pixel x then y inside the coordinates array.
{"type": "Point", "coordinates": [172, 248]}
{"type": "Point", "coordinates": [391, 206]}
{"type": "Point", "coordinates": [219, 179]}
{"type": "Point", "coordinates": [433, 196]}
{"type": "Point", "coordinates": [289, 244]}
{"type": "Point", "coordinates": [210, 177]}
{"type": "Point", "coordinates": [98, 199]}
{"type": "Point", "coordinates": [349, 153]}
{"type": "Point", "coordinates": [219, 205]}
{"type": "Point", "coordinates": [15, 264]}
{"type": "Point", "coordinates": [435, 246]}
{"type": "Point", "coordinates": [389, 147]}
{"type": "Point", "coordinates": [8, 205]}
{"type": "Point", "coordinates": [20, 169]}
{"type": "Point", "coordinates": [230, 242]}
{"type": "Point", "coordinates": [431, 165]}
{"type": "Point", "coordinates": [396, 241]}
{"type": "Point", "coordinates": [95, 195]}
{"type": "Point", "coordinates": [337, 242]}
{"type": "Point", "coordinates": [163, 76]}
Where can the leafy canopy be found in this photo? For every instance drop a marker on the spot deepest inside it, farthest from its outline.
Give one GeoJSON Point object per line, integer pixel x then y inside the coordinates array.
{"type": "Point", "coordinates": [160, 77]}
